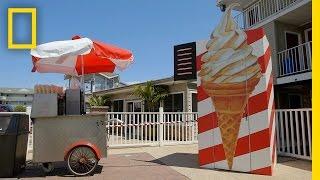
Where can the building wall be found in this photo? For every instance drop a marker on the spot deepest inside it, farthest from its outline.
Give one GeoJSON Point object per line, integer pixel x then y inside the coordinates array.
{"type": "Point", "coordinates": [16, 99]}
{"type": "Point", "coordinates": [174, 88]}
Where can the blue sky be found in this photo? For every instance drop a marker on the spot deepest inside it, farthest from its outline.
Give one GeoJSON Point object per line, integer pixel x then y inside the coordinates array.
{"type": "Point", "coordinates": [148, 28]}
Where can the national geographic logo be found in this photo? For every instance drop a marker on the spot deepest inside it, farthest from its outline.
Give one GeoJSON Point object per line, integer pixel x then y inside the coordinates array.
{"type": "Point", "coordinates": [33, 43]}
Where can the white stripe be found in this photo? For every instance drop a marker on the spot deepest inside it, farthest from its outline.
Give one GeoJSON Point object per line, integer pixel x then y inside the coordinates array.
{"type": "Point", "coordinates": [201, 47]}
{"type": "Point", "coordinates": [205, 107]}
{"type": "Point", "coordinates": [257, 50]}
{"type": "Point", "coordinates": [212, 137]}
{"type": "Point", "coordinates": [259, 159]}
{"type": "Point", "coordinates": [198, 79]}
{"type": "Point", "coordinates": [264, 80]}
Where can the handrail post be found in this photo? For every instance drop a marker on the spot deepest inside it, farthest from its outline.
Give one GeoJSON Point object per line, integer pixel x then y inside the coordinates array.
{"type": "Point", "coordinates": [160, 134]}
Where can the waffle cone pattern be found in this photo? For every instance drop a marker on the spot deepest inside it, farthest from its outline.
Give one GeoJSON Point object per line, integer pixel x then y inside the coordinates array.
{"type": "Point", "coordinates": [230, 101]}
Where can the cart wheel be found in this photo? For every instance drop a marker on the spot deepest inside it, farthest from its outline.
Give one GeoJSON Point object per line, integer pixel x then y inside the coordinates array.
{"type": "Point", "coordinates": [82, 161]}
{"type": "Point", "coordinates": [47, 167]}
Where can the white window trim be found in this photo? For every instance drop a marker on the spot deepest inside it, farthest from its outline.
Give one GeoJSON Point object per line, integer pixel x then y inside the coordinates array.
{"type": "Point", "coordinates": [306, 34]}
{"type": "Point", "coordinates": [291, 32]}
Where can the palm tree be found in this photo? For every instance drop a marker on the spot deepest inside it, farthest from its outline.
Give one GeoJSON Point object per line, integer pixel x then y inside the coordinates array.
{"type": "Point", "coordinates": [151, 94]}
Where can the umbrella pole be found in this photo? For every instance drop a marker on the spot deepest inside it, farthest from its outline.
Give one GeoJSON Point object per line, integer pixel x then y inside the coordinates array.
{"type": "Point", "coordinates": [82, 84]}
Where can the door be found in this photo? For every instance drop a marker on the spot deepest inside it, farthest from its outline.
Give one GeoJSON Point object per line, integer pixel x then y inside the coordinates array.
{"type": "Point", "coordinates": [293, 61]}
{"type": "Point", "coordinates": [292, 39]}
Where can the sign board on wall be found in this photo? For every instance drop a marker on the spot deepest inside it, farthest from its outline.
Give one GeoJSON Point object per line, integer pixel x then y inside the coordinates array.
{"type": "Point", "coordinates": [185, 61]}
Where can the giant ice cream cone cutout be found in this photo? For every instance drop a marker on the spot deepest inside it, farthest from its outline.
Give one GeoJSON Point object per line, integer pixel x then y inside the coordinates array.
{"type": "Point", "coordinates": [229, 73]}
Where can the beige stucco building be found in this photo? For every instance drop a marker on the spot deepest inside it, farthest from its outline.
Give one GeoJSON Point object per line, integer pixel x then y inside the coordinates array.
{"type": "Point", "coordinates": [182, 97]}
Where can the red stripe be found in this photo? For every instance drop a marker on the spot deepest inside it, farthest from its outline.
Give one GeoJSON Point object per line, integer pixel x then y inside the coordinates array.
{"type": "Point", "coordinates": [263, 171]}
{"type": "Point", "coordinates": [258, 141]}
{"type": "Point", "coordinates": [205, 156]}
{"type": "Point", "coordinates": [207, 122]}
{"type": "Point", "coordinates": [264, 60]}
{"type": "Point", "coordinates": [254, 35]}
{"type": "Point", "coordinates": [201, 94]}
{"type": "Point", "coordinates": [199, 62]}
{"type": "Point", "coordinates": [260, 101]}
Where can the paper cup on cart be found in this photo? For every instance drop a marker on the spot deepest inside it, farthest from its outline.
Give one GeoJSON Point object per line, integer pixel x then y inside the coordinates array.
{"type": "Point", "coordinates": [235, 100]}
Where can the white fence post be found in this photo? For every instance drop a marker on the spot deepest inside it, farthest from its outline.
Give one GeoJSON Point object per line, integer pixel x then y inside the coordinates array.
{"type": "Point", "coordinates": [160, 134]}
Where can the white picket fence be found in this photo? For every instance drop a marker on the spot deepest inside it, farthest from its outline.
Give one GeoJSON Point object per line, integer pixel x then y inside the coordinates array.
{"type": "Point", "coordinates": [132, 129]}
{"type": "Point", "coordinates": [151, 128]}
{"type": "Point", "coordinates": [294, 132]}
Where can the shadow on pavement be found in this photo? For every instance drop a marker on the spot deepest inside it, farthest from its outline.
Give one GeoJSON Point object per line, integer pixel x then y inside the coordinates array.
{"type": "Point", "coordinates": [179, 160]}
{"type": "Point", "coordinates": [295, 163]}
{"type": "Point", "coordinates": [191, 161]}
{"type": "Point", "coordinates": [60, 170]}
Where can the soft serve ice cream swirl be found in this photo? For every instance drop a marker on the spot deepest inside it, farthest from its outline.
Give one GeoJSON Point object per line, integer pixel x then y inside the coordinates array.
{"type": "Point", "coordinates": [229, 58]}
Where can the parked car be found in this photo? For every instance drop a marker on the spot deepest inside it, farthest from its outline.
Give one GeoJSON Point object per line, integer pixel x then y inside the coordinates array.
{"type": "Point", "coordinates": [6, 108]}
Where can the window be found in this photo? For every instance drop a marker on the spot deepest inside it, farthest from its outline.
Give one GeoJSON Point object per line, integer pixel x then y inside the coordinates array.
{"type": "Point", "coordinates": [194, 102]}
{"type": "Point", "coordinates": [134, 106]}
{"type": "Point", "coordinates": [117, 106]}
{"type": "Point", "coordinates": [174, 103]}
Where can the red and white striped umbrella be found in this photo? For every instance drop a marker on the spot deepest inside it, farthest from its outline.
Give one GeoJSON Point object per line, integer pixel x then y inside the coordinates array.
{"type": "Point", "coordinates": [79, 56]}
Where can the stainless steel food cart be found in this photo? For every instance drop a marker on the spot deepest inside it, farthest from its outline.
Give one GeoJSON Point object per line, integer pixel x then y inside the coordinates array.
{"type": "Point", "coordinates": [80, 140]}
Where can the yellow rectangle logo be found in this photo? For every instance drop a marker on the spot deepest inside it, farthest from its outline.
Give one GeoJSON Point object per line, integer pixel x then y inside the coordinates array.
{"type": "Point", "coordinates": [33, 43]}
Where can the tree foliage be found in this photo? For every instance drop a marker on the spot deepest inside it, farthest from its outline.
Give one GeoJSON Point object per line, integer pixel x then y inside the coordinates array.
{"type": "Point", "coordinates": [151, 94]}
{"type": "Point", "coordinates": [104, 100]}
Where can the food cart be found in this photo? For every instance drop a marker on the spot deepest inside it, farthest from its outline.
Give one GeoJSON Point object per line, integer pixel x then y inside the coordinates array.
{"type": "Point", "coordinates": [80, 140]}
{"type": "Point", "coordinates": [62, 131]}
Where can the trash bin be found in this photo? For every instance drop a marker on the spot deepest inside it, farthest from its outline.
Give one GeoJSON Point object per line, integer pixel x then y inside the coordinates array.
{"type": "Point", "coordinates": [14, 129]}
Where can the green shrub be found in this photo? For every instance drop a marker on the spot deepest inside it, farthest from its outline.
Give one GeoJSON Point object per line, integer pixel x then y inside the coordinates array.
{"type": "Point", "coordinates": [104, 100]}
{"type": "Point", "coordinates": [20, 108]}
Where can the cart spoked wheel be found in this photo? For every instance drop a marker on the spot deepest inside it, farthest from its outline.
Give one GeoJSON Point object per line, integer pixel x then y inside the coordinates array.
{"type": "Point", "coordinates": [82, 161]}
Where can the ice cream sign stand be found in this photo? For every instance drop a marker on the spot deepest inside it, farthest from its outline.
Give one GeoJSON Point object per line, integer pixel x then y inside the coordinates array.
{"type": "Point", "coordinates": [235, 100]}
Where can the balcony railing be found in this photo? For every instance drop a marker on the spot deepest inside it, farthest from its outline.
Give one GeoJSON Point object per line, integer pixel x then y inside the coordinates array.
{"type": "Point", "coordinates": [295, 60]}
{"type": "Point", "coordinates": [261, 10]}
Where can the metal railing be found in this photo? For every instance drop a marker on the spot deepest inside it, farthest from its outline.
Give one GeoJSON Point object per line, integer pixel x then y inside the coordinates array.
{"type": "Point", "coordinates": [295, 60]}
{"type": "Point", "coordinates": [261, 10]}
{"type": "Point", "coordinates": [294, 132]}
{"type": "Point", "coordinates": [151, 128]}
